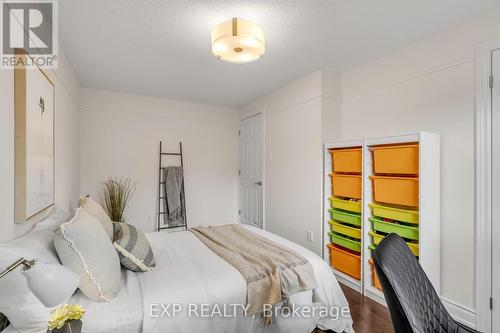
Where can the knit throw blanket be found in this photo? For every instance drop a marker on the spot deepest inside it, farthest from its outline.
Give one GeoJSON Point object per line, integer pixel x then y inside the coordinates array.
{"type": "Point", "coordinates": [173, 193]}
{"type": "Point", "coordinates": [273, 272]}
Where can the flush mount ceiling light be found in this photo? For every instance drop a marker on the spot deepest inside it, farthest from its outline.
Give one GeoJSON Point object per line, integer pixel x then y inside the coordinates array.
{"type": "Point", "coordinates": [238, 41]}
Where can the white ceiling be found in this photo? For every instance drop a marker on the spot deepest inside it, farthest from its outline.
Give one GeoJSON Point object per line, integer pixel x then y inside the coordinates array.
{"type": "Point", "coordinates": [162, 48]}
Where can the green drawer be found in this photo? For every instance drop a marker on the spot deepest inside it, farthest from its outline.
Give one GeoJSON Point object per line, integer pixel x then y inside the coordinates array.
{"type": "Point", "coordinates": [345, 242]}
{"type": "Point", "coordinates": [349, 218]}
{"type": "Point", "coordinates": [389, 227]}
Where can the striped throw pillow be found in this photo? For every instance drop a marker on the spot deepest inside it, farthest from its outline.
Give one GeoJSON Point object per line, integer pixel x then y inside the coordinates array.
{"type": "Point", "coordinates": [133, 248]}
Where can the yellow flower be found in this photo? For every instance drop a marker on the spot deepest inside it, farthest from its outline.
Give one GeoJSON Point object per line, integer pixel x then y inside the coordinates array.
{"type": "Point", "coordinates": [65, 313]}
{"type": "Point", "coordinates": [76, 312]}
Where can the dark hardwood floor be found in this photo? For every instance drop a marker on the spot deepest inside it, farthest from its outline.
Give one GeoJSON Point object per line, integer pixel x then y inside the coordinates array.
{"type": "Point", "coordinates": [368, 315]}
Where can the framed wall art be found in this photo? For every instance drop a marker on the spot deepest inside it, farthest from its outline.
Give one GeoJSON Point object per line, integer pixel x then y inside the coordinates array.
{"type": "Point", "coordinates": [34, 97]}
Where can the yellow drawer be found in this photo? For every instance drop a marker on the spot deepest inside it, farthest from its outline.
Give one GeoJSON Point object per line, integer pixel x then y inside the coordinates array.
{"type": "Point", "coordinates": [377, 238]}
{"type": "Point", "coordinates": [351, 206]}
{"type": "Point", "coordinates": [345, 230]}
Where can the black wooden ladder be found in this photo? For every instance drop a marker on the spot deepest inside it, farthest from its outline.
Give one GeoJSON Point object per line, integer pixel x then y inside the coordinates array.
{"type": "Point", "coordinates": [162, 200]}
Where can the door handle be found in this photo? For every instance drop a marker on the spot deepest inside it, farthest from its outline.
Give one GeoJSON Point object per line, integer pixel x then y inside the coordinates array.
{"type": "Point", "coordinates": [258, 183]}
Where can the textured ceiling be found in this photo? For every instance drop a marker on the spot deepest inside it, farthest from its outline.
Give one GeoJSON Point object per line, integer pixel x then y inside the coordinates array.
{"type": "Point", "coordinates": [162, 48]}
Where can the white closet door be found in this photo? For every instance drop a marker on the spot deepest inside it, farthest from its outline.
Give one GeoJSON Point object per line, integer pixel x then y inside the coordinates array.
{"type": "Point", "coordinates": [496, 191]}
{"type": "Point", "coordinates": [251, 170]}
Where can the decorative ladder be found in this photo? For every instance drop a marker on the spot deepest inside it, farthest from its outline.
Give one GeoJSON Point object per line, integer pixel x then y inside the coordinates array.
{"type": "Point", "coordinates": [162, 200]}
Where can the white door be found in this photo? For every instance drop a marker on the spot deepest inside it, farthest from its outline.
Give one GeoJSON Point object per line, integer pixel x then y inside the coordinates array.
{"type": "Point", "coordinates": [251, 170]}
{"type": "Point", "coordinates": [495, 269]}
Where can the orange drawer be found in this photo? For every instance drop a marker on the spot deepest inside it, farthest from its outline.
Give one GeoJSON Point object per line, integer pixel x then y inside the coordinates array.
{"type": "Point", "coordinates": [396, 190]}
{"type": "Point", "coordinates": [346, 160]}
{"type": "Point", "coordinates": [348, 186]}
{"type": "Point", "coordinates": [345, 261]}
{"type": "Point", "coordinates": [376, 281]}
{"type": "Point", "coordinates": [396, 160]}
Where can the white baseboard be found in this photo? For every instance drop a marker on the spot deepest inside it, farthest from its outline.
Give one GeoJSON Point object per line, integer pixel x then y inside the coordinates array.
{"type": "Point", "coordinates": [460, 313]}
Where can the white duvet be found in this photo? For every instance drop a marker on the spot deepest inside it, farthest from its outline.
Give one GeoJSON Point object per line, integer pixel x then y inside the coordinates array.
{"type": "Point", "coordinates": [194, 290]}
{"type": "Point", "coordinates": [188, 272]}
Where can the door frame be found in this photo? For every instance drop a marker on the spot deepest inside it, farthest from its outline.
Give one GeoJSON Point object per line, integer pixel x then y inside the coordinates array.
{"type": "Point", "coordinates": [483, 184]}
{"type": "Point", "coordinates": [242, 117]}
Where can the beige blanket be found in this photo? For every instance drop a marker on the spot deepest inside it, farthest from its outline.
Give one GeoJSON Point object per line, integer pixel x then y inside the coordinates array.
{"type": "Point", "coordinates": [273, 272]}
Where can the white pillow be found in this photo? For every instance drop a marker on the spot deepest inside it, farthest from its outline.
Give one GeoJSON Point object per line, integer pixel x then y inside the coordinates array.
{"type": "Point", "coordinates": [17, 302]}
{"type": "Point", "coordinates": [84, 247]}
{"type": "Point", "coordinates": [94, 209]}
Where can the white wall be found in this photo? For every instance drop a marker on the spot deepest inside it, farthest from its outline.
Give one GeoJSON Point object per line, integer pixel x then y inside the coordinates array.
{"type": "Point", "coordinates": [430, 86]}
{"type": "Point", "coordinates": [67, 180]}
{"type": "Point", "coordinates": [120, 135]}
{"type": "Point", "coordinates": [294, 134]}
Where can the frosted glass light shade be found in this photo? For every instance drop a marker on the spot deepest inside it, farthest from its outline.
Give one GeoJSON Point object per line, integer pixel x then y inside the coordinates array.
{"type": "Point", "coordinates": [52, 284]}
{"type": "Point", "coordinates": [238, 41]}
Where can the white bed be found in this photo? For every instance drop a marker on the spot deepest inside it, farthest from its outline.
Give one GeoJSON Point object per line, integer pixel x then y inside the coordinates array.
{"type": "Point", "coordinates": [188, 272]}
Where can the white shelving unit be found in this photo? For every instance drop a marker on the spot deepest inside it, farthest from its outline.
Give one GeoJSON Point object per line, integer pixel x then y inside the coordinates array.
{"type": "Point", "coordinates": [429, 207]}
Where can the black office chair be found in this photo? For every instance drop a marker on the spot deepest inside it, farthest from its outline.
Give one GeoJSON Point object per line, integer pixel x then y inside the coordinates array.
{"type": "Point", "coordinates": [414, 305]}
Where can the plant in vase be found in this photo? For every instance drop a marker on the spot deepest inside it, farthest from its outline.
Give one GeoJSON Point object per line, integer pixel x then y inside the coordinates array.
{"type": "Point", "coordinates": [116, 194]}
{"type": "Point", "coordinates": [66, 319]}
